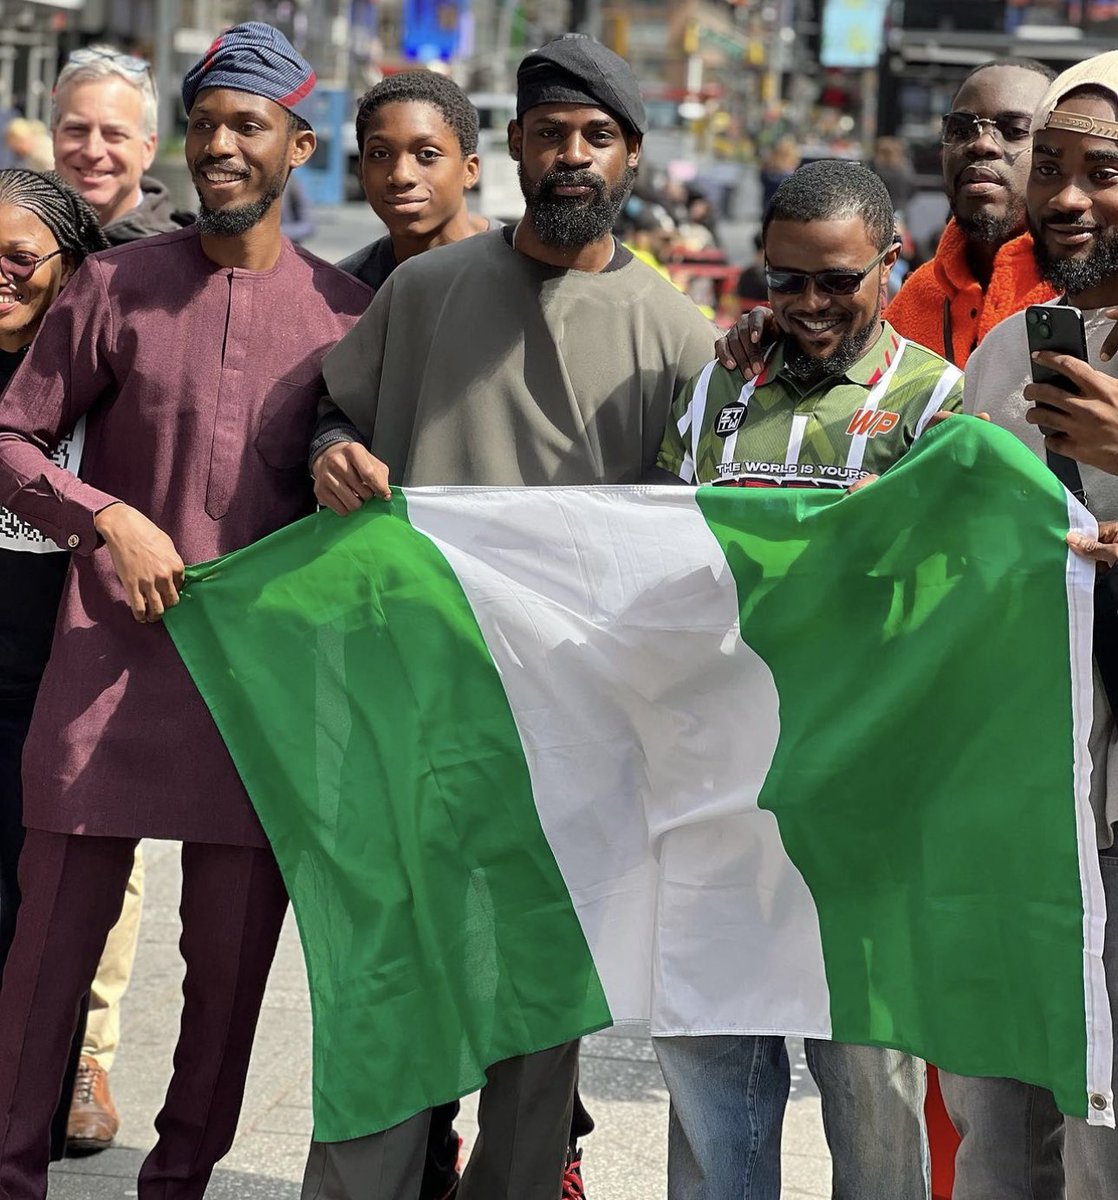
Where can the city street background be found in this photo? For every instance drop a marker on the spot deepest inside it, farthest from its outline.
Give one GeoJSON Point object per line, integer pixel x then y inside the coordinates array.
{"type": "Point", "coordinates": [621, 1085]}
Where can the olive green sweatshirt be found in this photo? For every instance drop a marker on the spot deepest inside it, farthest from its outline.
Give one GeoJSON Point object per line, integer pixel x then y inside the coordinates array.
{"type": "Point", "coordinates": [476, 364]}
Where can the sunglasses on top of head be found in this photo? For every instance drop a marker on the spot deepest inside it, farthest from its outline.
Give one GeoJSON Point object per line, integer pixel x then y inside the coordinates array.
{"type": "Point", "coordinates": [835, 281]}
{"type": "Point", "coordinates": [21, 265]}
{"type": "Point", "coordinates": [91, 55]}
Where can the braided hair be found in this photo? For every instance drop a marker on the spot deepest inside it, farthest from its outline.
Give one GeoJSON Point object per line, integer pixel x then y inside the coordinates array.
{"type": "Point", "coordinates": [69, 218]}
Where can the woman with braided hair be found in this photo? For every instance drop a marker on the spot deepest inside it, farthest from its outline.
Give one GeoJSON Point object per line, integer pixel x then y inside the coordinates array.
{"type": "Point", "coordinates": [46, 230]}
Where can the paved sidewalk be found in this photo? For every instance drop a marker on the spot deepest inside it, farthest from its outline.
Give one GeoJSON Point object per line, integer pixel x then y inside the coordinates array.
{"type": "Point", "coordinates": [621, 1083]}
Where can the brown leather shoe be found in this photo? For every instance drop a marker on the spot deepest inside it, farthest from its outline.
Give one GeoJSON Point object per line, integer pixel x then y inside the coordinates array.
{"type": "Point", "coordinates": [93, 1117]}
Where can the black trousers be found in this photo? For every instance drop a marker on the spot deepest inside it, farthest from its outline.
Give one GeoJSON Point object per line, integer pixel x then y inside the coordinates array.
{"type": "Point", "coordinates": [13, 731]}
{"type": "Point", "coordinates": [440, 1165]}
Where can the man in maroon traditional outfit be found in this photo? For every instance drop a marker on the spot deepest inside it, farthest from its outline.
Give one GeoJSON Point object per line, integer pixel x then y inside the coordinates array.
{"type": "Point", "coordinates": [196, 357]}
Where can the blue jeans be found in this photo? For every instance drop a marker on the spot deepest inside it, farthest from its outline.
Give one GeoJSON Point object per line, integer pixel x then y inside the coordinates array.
{"type": "Point", "coordinates": [1016, 1144]}
{"type": "Point", "coordinates": [728, 1095]}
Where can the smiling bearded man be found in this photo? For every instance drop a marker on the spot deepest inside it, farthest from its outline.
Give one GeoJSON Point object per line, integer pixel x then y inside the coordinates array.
{"type": "Point", "coordinates": [199, 411]}
{"type": "Point", "coordinates": [544, 354]}
{"type": "Point", "coordinates": [842, 396]}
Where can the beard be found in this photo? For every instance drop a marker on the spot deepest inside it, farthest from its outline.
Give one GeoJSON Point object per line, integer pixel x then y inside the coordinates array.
{"type": "Point", "coordinates": [850, 349]}
{"type": "Point", "coordinates": [233, 222]}
{"type": "Point", "coordinates": [569, 224]}
{"type": "Point", "coordinates": [991, 230]}
{"type": "Point", "coordinates": [1076, 275]}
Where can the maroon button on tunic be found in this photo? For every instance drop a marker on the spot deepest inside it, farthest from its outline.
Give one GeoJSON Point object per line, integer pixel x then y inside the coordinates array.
{"type": "Point", "coordinates": [200, 383]}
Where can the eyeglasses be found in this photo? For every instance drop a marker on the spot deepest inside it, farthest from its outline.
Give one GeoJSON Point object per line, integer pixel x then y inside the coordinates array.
{"type": "Point", "coordinates": [960, 128]}
{"type": "Point", "coordinates": [19, 266]}
{"type": "Point", "coordinates": [89, 55]}
{"type": "Point", "coordinates": [833, 282]}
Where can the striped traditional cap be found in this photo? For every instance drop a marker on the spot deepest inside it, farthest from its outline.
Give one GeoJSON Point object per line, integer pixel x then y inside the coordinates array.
{"type": "Point", "coordinates": [255, 58]}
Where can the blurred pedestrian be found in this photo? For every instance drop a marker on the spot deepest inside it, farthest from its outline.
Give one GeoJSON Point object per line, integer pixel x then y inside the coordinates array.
{"type": "Point", "coordinates": [297, 213]}
{"type": "Point", "coordinates": [699, 228]}
{"type": "Point", "coordinates": [29, 144]}
{"type": "Point", "coordinates": [782, 158]}
{"type": "Point", "coordinates": [892, 165]}
{"type": "Point", "coordinates": [199, 411]}
{"type": "Point", "coordinates": [752, 283]}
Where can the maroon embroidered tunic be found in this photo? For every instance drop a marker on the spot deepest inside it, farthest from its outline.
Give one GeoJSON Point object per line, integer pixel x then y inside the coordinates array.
{"type": "Point", "coordinates": [200, 383]}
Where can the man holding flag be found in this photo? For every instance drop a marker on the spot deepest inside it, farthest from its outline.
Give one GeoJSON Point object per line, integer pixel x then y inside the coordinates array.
{"type": "Point", "coordinates": [842, 396]}
{"type": "Point", "coordinates": [198, 410]}
{"type": "Point", "coordinates": [543, 354]}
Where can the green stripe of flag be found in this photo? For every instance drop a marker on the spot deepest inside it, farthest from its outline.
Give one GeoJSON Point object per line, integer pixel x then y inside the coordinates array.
{"type": "Point", "coordinates": [955, 679]}
{"type": "Point", "coordinates": [423, 886]}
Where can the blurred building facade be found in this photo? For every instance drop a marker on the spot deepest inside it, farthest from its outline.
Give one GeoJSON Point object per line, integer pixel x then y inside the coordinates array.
{"type": "Point", "coordinates": [932, 44]}
{"type": "Point", "coordinates": [735, 73]}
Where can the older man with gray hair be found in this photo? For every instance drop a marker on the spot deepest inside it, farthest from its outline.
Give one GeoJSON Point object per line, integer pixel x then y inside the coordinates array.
{"type": "Point", "coordinates": [103, 125]}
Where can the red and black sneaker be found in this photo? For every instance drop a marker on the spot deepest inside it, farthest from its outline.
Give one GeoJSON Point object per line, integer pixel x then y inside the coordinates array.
{"type": "Point", "coordinates": [442, 1171]}
{"type": "Point", "coordinates": [573, 1187]}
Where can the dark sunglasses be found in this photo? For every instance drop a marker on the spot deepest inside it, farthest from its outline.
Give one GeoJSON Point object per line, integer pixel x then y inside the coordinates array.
{"type": "Point", "coordinates": [21, 265]}
{"type": "Point", "coordinates": [960, 128]}
{"type": "Point", "coordinates": [836, 281]}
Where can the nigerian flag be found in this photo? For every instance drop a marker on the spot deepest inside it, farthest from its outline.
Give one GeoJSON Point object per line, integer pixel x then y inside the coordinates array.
{"type": "Point", "coordinates": [535, 761]}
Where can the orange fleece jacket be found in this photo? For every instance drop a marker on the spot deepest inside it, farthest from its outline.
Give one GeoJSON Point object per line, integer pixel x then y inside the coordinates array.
{"type": "Point", "coordinates": [917, 310]}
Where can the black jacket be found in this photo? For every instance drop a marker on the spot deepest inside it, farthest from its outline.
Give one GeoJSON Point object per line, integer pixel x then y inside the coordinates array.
{"type": "Point", "coordinates": [154, 214]}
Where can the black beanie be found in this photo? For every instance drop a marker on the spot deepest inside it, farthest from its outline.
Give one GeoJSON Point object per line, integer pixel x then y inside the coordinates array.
{"type": "Point", "coordinates": [575, 69]}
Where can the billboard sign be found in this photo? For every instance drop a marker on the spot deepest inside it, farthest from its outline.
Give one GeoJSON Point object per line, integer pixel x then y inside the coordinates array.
{"type": "Point", "coordinates": [853, 33]}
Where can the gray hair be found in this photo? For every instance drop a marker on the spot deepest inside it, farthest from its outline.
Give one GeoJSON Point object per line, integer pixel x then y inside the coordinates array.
{"type": "Point", "coordinates": [104, 62]}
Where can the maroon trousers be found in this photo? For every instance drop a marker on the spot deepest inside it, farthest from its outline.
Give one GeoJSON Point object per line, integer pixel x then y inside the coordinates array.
{"type": "Point", "coordinates": [232, 908]}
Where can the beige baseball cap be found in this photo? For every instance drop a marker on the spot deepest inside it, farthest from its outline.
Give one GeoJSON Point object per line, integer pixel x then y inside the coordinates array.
{"type": "Point", "coordinates": [1100, 71]}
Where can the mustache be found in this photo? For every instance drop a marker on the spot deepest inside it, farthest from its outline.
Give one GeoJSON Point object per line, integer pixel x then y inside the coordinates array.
{"type": "Point", "coordinates": [576, 177]}
{"type": "Point", "coordinates": [204, 164]}
{"type": "Point", "coordinates": [1067, 222]}
{"type": "Point", "coordinates": [1001, 176]}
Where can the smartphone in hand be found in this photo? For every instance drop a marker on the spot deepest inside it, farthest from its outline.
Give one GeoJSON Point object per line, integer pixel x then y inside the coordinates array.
{"type": "Point", "coordinates": [1058, 328]}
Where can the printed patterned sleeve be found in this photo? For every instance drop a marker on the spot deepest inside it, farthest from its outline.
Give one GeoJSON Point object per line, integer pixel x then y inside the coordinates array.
{"type": "Point", "coordinates": [675, 450]}
{"type": "Point", "coordinates": [946, 395]}
{"type": "Point", "coordinates": [65, 373]}
{"type": "Point", "coordinates": [954, 400]}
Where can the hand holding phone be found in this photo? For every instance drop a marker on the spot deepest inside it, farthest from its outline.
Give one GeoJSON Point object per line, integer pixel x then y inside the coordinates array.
{"type": "Point", "coordinates": [1058, 328]}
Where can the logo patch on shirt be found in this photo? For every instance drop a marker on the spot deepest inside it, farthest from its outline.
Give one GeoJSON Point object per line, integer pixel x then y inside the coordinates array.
{"type": "Point", "coordinates": [869, 422]}
{"type": "Point", "coordinates": [730, 419]}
